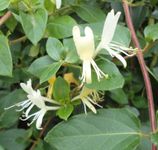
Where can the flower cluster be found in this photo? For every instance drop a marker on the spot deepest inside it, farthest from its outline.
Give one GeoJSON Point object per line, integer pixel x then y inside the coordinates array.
{"type": "Point", "coordinates": [86, 48]}
{"type": "Point", "coordinates": [89, 97]}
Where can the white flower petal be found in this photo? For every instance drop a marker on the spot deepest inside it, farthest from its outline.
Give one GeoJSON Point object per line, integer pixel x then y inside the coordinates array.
{"type": "Point", "coordinates": [87, 71]}
{"type": "Point", "coordinates": [27, 87]}
{"type": "Point", "coordinates": [58, 4]}
{"type": "Point", "coordinates": [84, 44]}
{"type": "Point", "coordinates": [40, 119]}
{"type": "Point", "coordinates": [109, 27]}
{"type": "Point", "coordinates": [89, 105]}
{"type": "Point", "coordinates": [118, 56]}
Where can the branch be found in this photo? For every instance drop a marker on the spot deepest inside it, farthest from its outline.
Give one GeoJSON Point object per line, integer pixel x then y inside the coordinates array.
{"type": "Point", "coordinates": [21, 39]}
{"type": "Point", "coordinates": [4, 18]}
{"type": "Point", "coordinates": [143, 69]}
{"type": "Point", "coordinates": [41, 134]}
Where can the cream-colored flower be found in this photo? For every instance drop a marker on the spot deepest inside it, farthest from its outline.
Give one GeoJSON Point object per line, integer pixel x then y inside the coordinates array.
{"type": "Point", "coordinates": [86, 51]}
{"type": "Point", "coordinates": [34, 98]}
{"type": "Point", "coordinates": [58, 3]}
{"type": "Point", "coordinates": [106, 42]}
{"type": "Point", "coordinates": [89, 98]}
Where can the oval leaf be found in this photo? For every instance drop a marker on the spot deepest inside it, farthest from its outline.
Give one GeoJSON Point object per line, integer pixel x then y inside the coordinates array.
{"type": "Point", "coordinates": [50, 71]}
{"type": "Point", "coordinates": [111, 129]}
{"type": "Point", "coordinates": [55, 49]}
{"type": "Point", "coordinates": [5, 57]}
{"type": "Point", "coordinates": [4, 4]}
{"type": "Point", "coordinates": [39, 65]}
{"type": "Point", "coordinates": [34, 24]}
{"type": "Point", "coordinates": [115, 79]}
{"type": "Point", "coordinates": [61, 94]}
{"type": "Point", "coordinates": [61, 27]}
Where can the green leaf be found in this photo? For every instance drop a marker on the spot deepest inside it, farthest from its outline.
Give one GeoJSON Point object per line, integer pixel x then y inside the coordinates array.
{"type": "Point", "coordinates": [34, 24]}
{"type": "Point", "coordinates": [1, 148]}
{"type": "Point", "coordinates": [154, 138]}
{"type": "Point", "coordinates": [115, 129]}
{"type": "Point", "coordinates": [120, 30]}
{"type": "Point", "coordinates": [138, 15]}
{"type": "Point", "coordinates": [50, 71]}
{"type": "Point", "coordinates": [39, 65]}
{"type": "Point", "coordinates": [89, 13]}
{"type": "Point", "coordinates": [71, 53]}
{"type": "Point", "coordinates": [65, 111]}
{"type": "Point", "coordinates": [119, 96]}
{"type": "Point", "coordinates": [114, 81]}
{"type": "Point", "coordinates": [140, 102]}
{"type": "Point", "coordinates": [4, 4]}
{"type": "Point", "coordinates": [150, 32]}
{"type": "Point", "coordinates": [34, 50]}
{"type": "Point", "coordinates": [145, 143]}
{"type": "Point", "coordinates": [61, 90]}
{"type": "Point", "coordinates": [55, 49]}
{"type": "Point", "coordinates": [14, 139]}
{"type": "Point", "coordinates": [11, 23]}
{"type": "Point", "coordinates": [9, 117]}
{"type": "Point", "coordinates": [125, 35]}
{"type": "Point", "coordinates": [5, 57]}
{"type": "Point", "coordinates": [60, 27]}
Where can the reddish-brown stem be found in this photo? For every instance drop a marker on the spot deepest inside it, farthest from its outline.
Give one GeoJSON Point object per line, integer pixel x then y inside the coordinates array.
{"type": "Point", "coordinates": [4, 18]}
{"type": "Point", "coordinates": [41, 134]}
{"type": "Point", "coordinates": [143, 69]}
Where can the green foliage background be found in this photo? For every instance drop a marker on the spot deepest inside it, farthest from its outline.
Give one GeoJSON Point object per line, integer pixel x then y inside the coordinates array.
{"type": "Point", "coordinates": [36, 42]}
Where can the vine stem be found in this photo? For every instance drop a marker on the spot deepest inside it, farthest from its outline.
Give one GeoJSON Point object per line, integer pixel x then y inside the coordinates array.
{"type": "Point", "coordinates": [4, 18]}
{"type": "Point", "coordinates": [40, 135]}
{"type": "Point", "coordinates": [143, 69]}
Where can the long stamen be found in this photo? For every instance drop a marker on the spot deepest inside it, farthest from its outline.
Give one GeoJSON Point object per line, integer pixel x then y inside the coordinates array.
{"type": "Point", "coordinates": [85, 108]}
{"type": "Point", "coordinates": [94, 102]}
{"type": "Point", "coordinates": [121, 49]}
{"type": "Point", "coordinates": [34, 114]}
{"type": "Point", "coordinates": [25, 106]}
{"type": "Point", "coordinates": [99, 73]}
{"type": "Point", "coordinates": [33, 120]}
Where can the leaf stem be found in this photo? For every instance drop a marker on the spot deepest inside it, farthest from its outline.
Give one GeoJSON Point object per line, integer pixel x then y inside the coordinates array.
{"type": "Point", "coordinates": [143, 69]}
{"type": "Point", "coordinates": [4, 18]}
{"type": "Point", "coordinates": [21, 39]}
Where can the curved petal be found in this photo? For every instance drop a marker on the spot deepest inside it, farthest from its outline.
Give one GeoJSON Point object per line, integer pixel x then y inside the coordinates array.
{"type": "Point", "coordinates": [87, 71]}
{"type": "Point", "coordinates": [89, 105]}
{"type": "Point", "coordinates": [58, 4]}
{"type": "Point", "coordinates": [40, 119]}
{"type": "Point", "coordinates": [118, 56]}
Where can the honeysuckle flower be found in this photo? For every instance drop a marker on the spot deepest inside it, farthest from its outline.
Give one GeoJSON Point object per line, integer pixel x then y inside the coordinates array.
{"type": "Point", "coordinates": [58, 3]}
{"type": "Point", "coordinates": [106, 42]}
{"type": "Point", "coordinates": [34, 98]}
{"type": "Point", "coordinates": [86, 51]}
{"type": "Point", "coordinates": [89, 98]}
